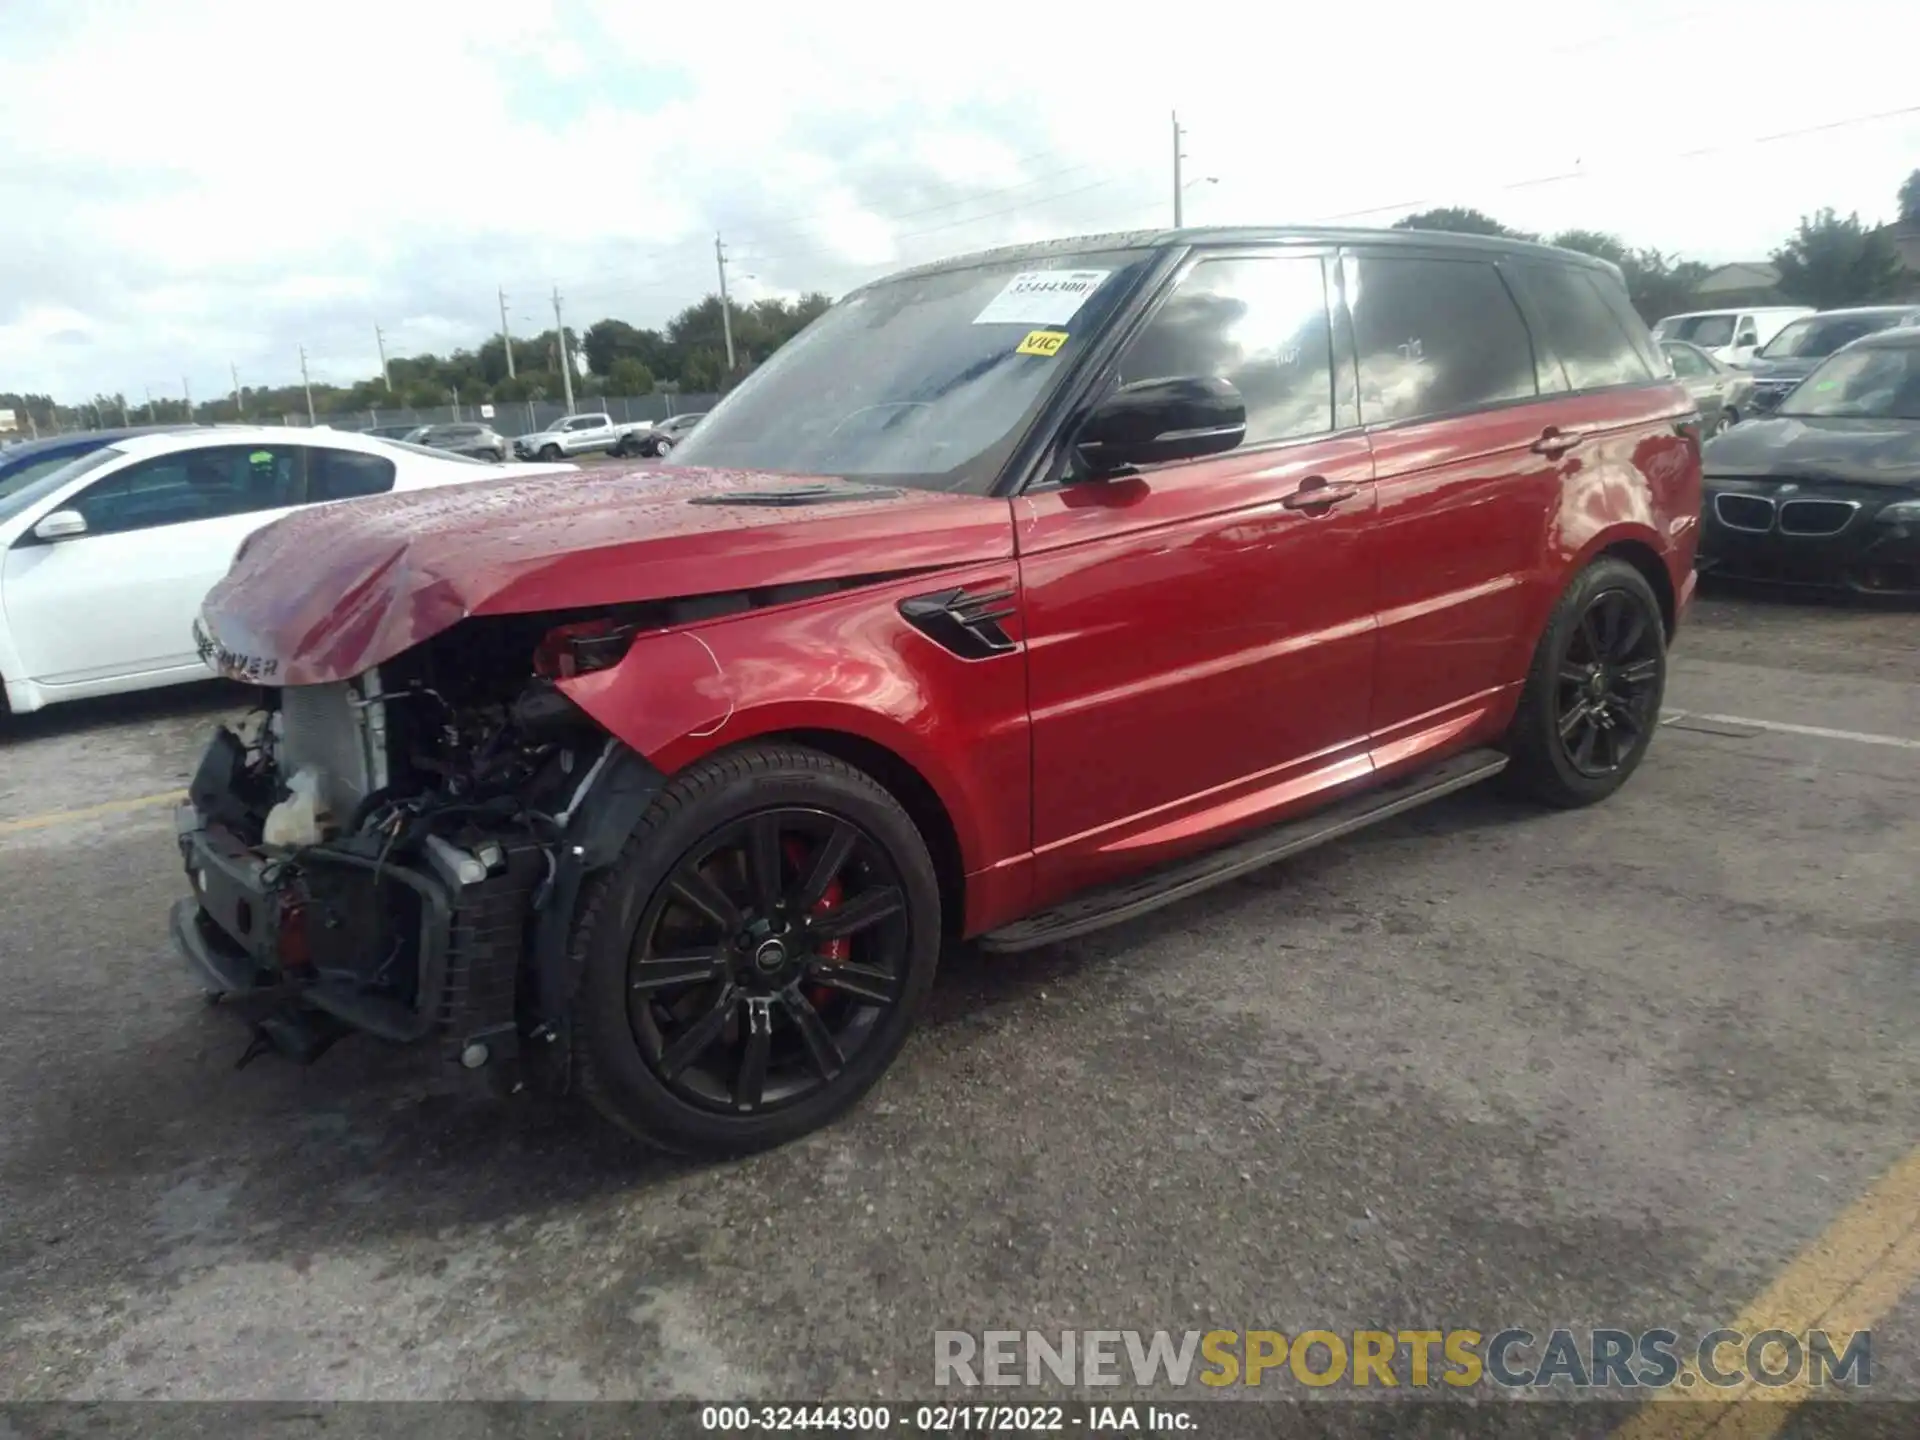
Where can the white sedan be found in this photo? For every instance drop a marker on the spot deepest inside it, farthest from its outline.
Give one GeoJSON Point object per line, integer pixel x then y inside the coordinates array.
{"type": "Point", "coordinates": [104, 562]}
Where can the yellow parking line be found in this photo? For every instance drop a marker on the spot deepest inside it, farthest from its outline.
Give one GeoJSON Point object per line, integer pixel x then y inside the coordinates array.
{"type": "Point", "coordinates": [88, 812]}
{"type": "Point", "coordinates": [1847, 1280]}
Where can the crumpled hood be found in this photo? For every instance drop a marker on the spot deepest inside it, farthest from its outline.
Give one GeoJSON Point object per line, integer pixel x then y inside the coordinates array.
{"type": "Point", "coordinates": [323, 594]}
{"type": "Point", "coordinates": [1818, 448]}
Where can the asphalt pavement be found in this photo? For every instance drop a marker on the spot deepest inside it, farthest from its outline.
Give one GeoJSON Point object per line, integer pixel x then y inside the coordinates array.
{"type": "Point", "coordinates": [1484, 1066]}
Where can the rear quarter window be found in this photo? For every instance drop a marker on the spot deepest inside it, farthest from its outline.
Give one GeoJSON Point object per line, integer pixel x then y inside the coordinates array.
{"type": "Point", "coordinates": [1594, 345]}
{"type": "Point", "coordinates": [346, 474]}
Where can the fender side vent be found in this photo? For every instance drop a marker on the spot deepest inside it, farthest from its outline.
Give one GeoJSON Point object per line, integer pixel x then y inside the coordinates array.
{"type": "Point", "coordinates": [966, 623]}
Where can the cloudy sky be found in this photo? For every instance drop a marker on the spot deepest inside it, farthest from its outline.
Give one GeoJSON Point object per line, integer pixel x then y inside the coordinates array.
{"type": "Point", "coordinates": [196, 184]}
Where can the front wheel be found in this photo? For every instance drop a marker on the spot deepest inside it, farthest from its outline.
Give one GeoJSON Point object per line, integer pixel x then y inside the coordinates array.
{"type": "Point", "coordinates": [1725, 422]}
{"type": "Point", "coordinates": [549, 452]}
{"type": "Point", "coordinates": [753, 961]}
{"type": "Point", "coordinates": [1592, 697]}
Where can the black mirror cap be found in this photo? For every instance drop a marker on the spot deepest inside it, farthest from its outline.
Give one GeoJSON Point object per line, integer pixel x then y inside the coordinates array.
{"type": "Point", "coordinates": [1152, 422]}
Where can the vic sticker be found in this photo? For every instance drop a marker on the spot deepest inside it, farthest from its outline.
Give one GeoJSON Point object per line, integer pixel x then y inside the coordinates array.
{"type": "Point", "coordinates": [1041, 297]}
{"type": "Point", "coordinates": [1041, 342]}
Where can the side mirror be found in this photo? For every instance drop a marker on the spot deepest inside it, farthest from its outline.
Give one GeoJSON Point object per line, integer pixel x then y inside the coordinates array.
{"type": "Point", "coordinates": [1151, 422]}
{"type": "Point", "coordinates": [61, 525]}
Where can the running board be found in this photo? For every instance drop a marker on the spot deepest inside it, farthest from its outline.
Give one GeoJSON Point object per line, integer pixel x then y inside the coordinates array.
{"type": "Point", "coordinates": [1143, 893]}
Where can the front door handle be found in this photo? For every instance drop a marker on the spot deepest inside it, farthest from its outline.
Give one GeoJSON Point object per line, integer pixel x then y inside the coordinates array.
{"type": "Point", "coordinates": [1316, 495]}
{"type": "Point", "coordinates": [1555, 442]}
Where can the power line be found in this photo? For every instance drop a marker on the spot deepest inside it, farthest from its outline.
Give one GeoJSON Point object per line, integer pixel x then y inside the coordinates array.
{"type": "Point", "coordinates": [1583, 172]}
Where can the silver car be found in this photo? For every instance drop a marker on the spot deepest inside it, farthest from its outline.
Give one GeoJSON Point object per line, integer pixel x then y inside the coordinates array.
{"type": "Point", "coordinates": [1724, 394]}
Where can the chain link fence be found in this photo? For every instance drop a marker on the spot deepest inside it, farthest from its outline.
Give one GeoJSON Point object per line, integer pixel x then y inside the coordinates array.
{"type": "Point", "coordinates": [518, 417]}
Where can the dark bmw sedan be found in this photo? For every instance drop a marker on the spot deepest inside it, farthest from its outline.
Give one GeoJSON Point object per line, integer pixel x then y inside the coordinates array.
{"type": "Point", "coordinates": [1826, 491]}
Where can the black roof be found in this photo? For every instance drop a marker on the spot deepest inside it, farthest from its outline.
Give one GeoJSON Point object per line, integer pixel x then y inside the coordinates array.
{"type": "Point", "coordinates": [1046, 250]}
{"type": "Point", "coordinates": [1900, 337]}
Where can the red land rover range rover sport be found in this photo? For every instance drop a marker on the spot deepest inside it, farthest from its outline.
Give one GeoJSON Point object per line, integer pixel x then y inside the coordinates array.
{"type": "Point", "coordinates": [1019, 594]}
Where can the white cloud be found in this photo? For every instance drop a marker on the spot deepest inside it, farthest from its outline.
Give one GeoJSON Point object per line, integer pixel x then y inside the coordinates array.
{"type": "Point", "coordinates": [186, 186]}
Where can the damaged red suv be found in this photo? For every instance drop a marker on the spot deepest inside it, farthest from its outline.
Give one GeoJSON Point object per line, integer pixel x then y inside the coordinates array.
{"type": "Point", "coordinates": [1020, 594]}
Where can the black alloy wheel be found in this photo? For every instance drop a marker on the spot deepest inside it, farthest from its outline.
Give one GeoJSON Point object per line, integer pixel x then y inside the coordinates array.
{"type": "Point", "coordinates": [753, 960]}
{"type": "Point", "coordinates": [1591, 704]}
{"type": "Point", "coordinates": [1606, 683]}
{"type": "Point", "coordinates": [765, 961]}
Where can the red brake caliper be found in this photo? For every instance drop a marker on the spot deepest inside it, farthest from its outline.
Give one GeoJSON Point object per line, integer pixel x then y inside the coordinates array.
{"type": "Point", "coordinates": [835, 950]}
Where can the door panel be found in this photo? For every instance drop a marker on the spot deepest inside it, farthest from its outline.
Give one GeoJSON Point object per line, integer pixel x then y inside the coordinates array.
{"type": "Point", "coordinates": [1191, 641]}
{"type": "Point", "coordinates": [101, 606]}
{"type": "Point", "coordinates": [121, 599]}
{"type": "Point", "coordinates": [1451, 388]}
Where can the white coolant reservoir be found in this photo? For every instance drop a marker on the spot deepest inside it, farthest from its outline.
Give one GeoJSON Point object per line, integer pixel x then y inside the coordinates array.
{"type": "Point", "coordinates": [296, 819]}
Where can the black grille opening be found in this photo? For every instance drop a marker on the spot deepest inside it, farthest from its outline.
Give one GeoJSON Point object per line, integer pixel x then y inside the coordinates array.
{"type": "Point", "coordinates": [1744, 512]}
{"type": "Point", "coordinates": [1815, 517]}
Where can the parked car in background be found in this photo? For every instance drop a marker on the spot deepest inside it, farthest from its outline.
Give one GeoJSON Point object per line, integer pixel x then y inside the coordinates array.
{"type": "Point", "coordinates": [661, 436]}
{"type": "Point", "coordinates": [1037, 589]}
{"type": "Point", "coordinates": [28, 460]}
{"type": "Point", "coordinates": [394, 432]}
{"type": "Point", "coordinates": [1826, 490]}
{"type": "Point", "coordinates": [104, 560]}
{"type": "Point", "coordinates": [1730, 336]}
{"type": "Point", "coordinates": [481, 442]}
{"type": "Point", "coordinates": [575, 435]}
{"type": "Point", "coordinates": [1724, 394]}
{"type": "Point", "coordinates": [1787, 359]}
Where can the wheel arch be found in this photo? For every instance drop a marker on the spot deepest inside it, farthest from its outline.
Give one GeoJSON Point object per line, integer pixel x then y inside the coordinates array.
{"type": "Point", "coordinates": [1644, 558]}
{"type": "Point", "coordinates": [915, 794]}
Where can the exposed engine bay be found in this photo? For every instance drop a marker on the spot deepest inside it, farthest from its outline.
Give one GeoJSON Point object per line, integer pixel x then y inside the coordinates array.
{"type": "Point", "coordinates": [376, 854]}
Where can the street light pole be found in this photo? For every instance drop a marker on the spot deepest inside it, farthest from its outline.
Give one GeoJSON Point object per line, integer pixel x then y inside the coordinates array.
{"type": "Point", "coordinates": [726, 309]}
{"type": "Point", "coordinates": [306, 384]}
{"type": "Point", "coordinates": [566, 360]}
{"type": "Point", "coordinates": [1178, 188]}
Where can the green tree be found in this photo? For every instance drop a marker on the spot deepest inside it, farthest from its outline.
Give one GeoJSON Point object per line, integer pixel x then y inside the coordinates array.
{"type": "Point", "coordinates": [1830, 261]}
{"type": "Point", "coordinates": [1910, 199]}
{"type": "Point", "coordinates": [1459, 220]}
{"type": "Point", "coordinates": [1658, 284]}
{"type": "Point", "coordinates": [629, 377]}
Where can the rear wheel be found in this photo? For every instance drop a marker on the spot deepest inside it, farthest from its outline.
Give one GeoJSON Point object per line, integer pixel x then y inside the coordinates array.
{"type": "Point", "coordinates": [754, 960]}
{"type": "Point", "coordinates": [1592, 697]}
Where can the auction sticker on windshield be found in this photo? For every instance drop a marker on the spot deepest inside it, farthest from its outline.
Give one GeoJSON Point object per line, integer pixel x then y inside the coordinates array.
{"type": "Point", "coordinates": [1041, 342]}
{"type": "Point", "coordinates": [1041, 297]}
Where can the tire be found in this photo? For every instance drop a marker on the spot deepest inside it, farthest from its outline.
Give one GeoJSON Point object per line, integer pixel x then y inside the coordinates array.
{"type": "Point", "coordinates": [1607, 624]}
{"type": "Point", "coordinates": [661, 447]}
{"type": "Point", "coordinates": [1726, 421]}
{"type": "Point", "coordinates": [640, 1012]}
{"type": "Point", "coordinates": [549, 453]}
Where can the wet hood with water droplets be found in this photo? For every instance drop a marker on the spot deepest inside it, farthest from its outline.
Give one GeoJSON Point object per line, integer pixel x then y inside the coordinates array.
{"type": "Point", "coordinates": [324, 594]}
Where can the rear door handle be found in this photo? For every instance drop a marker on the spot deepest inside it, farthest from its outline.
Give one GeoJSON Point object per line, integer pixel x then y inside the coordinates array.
{"type": "Point", "coordinates": [1316, 494]}
{"type": "Point", "coordinates": [1555, 442]}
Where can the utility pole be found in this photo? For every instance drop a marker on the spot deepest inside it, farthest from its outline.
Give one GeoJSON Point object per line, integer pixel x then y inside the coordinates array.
{"type": "Point", "coordinates": [149, 390]}
{"type": "Point", "coordinates": [726, 309]}
{"type": "Point", "coordinates": [1177, 158]}
{"type": "Point", "coordinates": [506, 336]}
{"type": "Point", "coordinates": [186, 391]}
{"type": "Point", "coordinates": [306, 384]}
{"type": "Point", "coordinates": [123, 409]}
{"type": "Point", "coordinates": [380, 341]}
{"type": "Point", "coordinates": [239, 404]}
{"type": "Point", "coordinates": [566, 360]}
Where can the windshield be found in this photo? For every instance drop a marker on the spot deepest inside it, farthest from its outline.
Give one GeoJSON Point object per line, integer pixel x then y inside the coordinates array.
{"type": "Point", "coordinates": [927, 380]}
{"type": "Point", "coordinates": [15, 499]}
{"type": "Point", "coordinates": [1880, 383]}
{"type": "Point", "coordinates": [1819, 335]}
{"type": "Point", "coordinates": [1709, 332]}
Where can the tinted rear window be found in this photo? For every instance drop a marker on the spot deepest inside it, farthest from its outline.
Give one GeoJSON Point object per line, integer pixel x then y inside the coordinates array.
{"type": "Point", "coordinates": [1435, 336]}
{"type": "Point", "coordinates": [343, 474]}
{"type": "Point", "coordinates": [1593, 346]}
